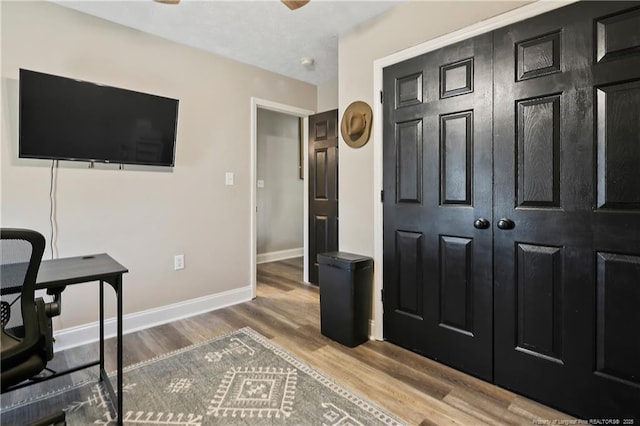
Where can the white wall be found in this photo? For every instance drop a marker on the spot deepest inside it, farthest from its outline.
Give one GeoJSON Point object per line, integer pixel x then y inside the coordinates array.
{"type": "Point", "coordinates": [409, 24]}
{"type": "Point", "coordinates": [327, 95]}
{"type": "Point", "coordinates": [141, 217]}
{"type": "Point", "coordinates": [280, 201]}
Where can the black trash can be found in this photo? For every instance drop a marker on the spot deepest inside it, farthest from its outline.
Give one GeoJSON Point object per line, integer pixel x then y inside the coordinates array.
{"type": "Point", "coordinates": [345, 281]}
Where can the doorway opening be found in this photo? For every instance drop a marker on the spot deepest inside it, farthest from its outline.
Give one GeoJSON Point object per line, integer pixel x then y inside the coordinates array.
{"type": "Point", "coordinates": [278, 190]}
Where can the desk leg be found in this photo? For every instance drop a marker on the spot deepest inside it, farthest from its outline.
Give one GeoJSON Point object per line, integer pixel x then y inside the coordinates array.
{"type": "Point", "coordinates": [116, 395]}
{"type": "Point", "coordinates": [119, 351]}
{"type": "Point", "coordinates": [101, 328]}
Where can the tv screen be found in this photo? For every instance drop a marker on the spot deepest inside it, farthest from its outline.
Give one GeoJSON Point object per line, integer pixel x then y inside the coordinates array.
{"type": "Point", "coordinates": [66, 119]}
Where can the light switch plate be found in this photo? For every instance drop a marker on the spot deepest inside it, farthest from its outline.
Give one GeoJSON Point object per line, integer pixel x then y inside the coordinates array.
{"type": "Point", "coordinates": [178, 262]}
{"type": "Point", "coordinates": [260, 183]}
{"type": "Point", "coordinates": [228, 178]}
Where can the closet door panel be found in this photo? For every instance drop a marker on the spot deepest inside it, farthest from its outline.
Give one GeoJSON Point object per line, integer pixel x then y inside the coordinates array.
{"type": "Point", "coordinates": [512, 207]}
{"type": "Point", "coordinates": [566, 173]}
{"type": "Point", "coordinates": [437, 183]}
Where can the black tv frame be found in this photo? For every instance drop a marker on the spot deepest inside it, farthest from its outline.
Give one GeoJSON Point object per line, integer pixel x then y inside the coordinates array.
{"type": "Point", "coordinates": [103, 87]}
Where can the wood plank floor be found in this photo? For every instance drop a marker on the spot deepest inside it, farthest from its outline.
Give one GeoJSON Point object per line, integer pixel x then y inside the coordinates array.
{"type": "Point", "coordinates": [416, 389]}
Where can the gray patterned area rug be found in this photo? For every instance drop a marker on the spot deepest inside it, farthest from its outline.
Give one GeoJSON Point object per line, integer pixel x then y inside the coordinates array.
{"type": "Point", "coordinates": [238, 379]}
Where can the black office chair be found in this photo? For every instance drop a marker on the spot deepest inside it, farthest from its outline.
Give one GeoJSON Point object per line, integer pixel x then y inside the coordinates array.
{"type": "Point", "coordinates": [27, 337]}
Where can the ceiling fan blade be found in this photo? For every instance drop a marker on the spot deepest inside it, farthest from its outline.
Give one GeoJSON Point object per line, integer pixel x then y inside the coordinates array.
{"type": "Point", "coordinates": [294, 4]}
{"type": "Point", "coordinates": [168, 1]}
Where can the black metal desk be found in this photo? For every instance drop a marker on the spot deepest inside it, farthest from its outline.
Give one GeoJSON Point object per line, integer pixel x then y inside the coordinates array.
{"type": "Point", "coordinates": [59, 273]}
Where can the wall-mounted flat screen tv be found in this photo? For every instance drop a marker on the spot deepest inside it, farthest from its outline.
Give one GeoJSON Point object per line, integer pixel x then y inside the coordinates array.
{"type": "Point", "coordinates": [66, 119]}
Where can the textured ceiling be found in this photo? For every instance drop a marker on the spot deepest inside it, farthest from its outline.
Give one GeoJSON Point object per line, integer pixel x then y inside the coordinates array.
{"type": "Point", "coordinates": [262, 33]}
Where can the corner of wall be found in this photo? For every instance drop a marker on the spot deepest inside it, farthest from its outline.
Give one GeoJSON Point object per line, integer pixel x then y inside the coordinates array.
{"type": "Point", "coordinates": [327, 96]}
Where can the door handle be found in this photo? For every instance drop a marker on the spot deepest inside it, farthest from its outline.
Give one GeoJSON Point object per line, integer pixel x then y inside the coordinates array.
{"type": "Point", "coordinates": [505, 224]}
{"type": "Point", "coordinates": [481, 223]}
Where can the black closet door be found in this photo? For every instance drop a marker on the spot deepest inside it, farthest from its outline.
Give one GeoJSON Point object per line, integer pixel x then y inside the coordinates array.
{"type": "Point", "coordinates": [437, 184]}
{"type": "Point", "coordinates": [567, 192]}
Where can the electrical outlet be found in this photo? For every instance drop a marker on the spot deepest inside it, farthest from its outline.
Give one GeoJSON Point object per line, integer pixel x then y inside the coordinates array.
{"type": "Point", "coordinates": [178, 262]}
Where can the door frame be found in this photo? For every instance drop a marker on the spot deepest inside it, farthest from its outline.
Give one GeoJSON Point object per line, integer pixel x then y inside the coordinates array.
{"type": "Point", "coordinates": [507, 18]}
{"type": "Point", "coordinates": [253, 241]}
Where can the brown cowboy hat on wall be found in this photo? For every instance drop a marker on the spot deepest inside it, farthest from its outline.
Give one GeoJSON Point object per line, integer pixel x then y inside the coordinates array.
{"type": "Point", "coordinates": [356, 124]}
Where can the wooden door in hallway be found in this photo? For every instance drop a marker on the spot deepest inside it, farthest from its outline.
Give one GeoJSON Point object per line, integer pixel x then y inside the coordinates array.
{"type": "Point", "coordinates": [323, 187]}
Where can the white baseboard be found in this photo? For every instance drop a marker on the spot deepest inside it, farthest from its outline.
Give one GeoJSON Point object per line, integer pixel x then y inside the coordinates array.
{"type": "Point", "coordinates": [372, 327]}
{"type": "Point", "coordinates": [279, 255]}
{"type": "Point", "coordinates": [88, 333]}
